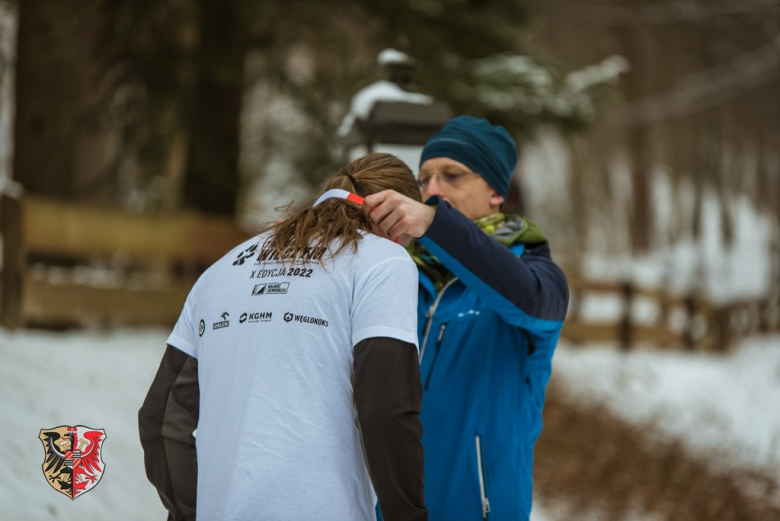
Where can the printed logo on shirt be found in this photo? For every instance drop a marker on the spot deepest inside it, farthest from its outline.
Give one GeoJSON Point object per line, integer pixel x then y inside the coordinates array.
{"type": "Point", "coordinates": [271, 288]}
{"type": "Point", "coordinates": [255, 317]}
{"type": "Point", "coordinates": [201, 327]}
{"type": "Point", "coordinates": [246, 254]}
{"type": "Point", "coordinates": [73, 463]}
{"type": "Point", "coordinates": [224, 322]}
{"type": "Point", "coordinates": [268, 254]}
{"type": "Point", "coordinates": [289, 317]}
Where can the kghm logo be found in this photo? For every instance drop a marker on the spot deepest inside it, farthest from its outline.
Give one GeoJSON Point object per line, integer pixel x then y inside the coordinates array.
{"type": "Point", "coordinates": [224, 322]}
{"type": "Point", "coordinates": [271, 288]}
{"type": "Point", "coordinates": [289, 317]}
{"type": "Point", "coordinates": [255, 317]}
{"type": "Point", "coordinates": [73, 462]}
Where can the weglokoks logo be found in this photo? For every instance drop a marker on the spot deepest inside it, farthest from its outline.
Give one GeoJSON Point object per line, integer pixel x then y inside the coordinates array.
{"type": "Point", "coordinates": [289, 317]}
{"type": "Point", "coordinates": [73, 461]}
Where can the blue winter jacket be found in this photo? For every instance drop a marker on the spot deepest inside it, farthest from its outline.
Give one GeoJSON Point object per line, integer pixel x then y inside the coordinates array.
{"type": "Point", "coordinates": [486, 342]}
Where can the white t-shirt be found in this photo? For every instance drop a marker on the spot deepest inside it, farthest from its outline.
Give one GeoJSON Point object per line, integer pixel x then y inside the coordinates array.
{"type": "Point", "coordinates": [277, 438]}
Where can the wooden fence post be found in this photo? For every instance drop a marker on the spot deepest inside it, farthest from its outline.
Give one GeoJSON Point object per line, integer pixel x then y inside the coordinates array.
{"type": "Point", "coordinates": [722, 318]}
{"type": "Point", "coordinates": [11, 277]}
{"type": "Point", "coordinates": [690, 304]}
{"type": "Point", "coordinates": [626, 328]}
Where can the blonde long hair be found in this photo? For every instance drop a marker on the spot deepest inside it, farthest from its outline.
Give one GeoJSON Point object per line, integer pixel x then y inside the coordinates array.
{"type": "Point", "coordinates": [309, 232]}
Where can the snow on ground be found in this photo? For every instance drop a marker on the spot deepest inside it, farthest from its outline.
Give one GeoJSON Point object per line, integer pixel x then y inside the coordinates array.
{"type": "Point", "coordinates": [79, 378]}
{"type": "Point", "coordinates": [724, 402]}
{"type": "Point", "coordinates": [715, 403]}
{"type": "Point", "coordinates": [98, 380]}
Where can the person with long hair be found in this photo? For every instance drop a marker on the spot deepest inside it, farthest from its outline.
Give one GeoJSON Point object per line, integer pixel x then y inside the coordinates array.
{"type": "Point", "coordinates": [295, 358]}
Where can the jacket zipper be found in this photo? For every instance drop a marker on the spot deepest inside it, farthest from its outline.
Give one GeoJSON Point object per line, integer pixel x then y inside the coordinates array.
{"type": "Point", "coordinates": [435, 355]}
{"type": "Point", "coordinates": [482, 487]}
{"type": "Point", "coordinates": [429, 316]}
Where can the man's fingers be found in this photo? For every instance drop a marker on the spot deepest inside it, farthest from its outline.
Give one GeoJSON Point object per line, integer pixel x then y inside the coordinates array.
{"type": "Point", "coordinates": [378, 206]}
{"type": "Point", "coordinates": [374, 200]}
{"type": "Point", "coordinates": [396, 214]}
{"type": "Point", "coordinates": [389, 222]}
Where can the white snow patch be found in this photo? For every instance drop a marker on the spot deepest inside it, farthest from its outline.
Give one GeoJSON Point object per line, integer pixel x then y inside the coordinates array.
{"type": "Point", "coordinates": [366, 98]}
{"type": "Point", "coordinates": [392, 56]}
{"type": "Point", "coordinates": [93, 379]}
{"type": "Point", "coordinates": [724, 403]}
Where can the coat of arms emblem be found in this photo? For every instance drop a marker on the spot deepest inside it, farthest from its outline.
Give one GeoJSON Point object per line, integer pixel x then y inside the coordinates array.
{"type": "Point", "coordinates": [73, 461]}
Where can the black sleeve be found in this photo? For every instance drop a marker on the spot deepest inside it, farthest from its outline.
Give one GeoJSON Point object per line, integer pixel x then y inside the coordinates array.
{"type": "Point", "coordinates": [166, 422]}
{"type": "Point", "coordinates": [388, 397]}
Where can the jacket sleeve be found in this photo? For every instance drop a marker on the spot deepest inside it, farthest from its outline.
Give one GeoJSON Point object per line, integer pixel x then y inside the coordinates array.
{"type": "Point", "coordinates": [388, 397]}
{"type": "Point", "coordinates": [528, 291]}
{"type": "Point", "coordinates": [166, 421]}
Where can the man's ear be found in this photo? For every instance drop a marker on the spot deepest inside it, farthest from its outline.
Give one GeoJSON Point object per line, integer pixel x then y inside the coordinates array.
{"type": "Point", "coordinates": [496, 199]}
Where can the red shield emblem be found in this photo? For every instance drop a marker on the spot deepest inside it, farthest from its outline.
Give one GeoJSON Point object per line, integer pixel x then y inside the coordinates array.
{"type": "Point", "coordinates": [73, 461]}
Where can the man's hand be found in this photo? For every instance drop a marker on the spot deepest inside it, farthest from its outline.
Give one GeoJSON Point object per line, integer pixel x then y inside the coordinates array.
{"type": "Point", "coordinates": [395, 214]}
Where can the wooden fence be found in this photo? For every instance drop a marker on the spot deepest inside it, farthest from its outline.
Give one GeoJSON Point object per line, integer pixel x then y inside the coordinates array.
{"type": "Point", "coordinates": [684, 321]}
{"type": "Point", "coordinates": [67, 264]}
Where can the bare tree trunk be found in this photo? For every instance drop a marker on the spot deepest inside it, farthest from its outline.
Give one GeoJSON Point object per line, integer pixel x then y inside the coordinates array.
{"type": "Point", "coordinates": [212, 178]}
{"type": "Point", "coordinates": [639, 139]}
{"type": "Point", "coordinates": [578, 148]}
{"type": "Point", "coordinates": [62, 138]}
{"type": "Point", "coordinates": [721, 155]}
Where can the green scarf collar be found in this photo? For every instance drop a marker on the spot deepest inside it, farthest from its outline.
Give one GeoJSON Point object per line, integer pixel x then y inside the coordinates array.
{"type": "Point", "coordinates": [506, 229]}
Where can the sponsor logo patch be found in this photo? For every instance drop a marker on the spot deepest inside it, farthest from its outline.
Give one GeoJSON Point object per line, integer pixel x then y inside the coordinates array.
{"type": "Point", "coordinates": [246, 254]}
{"type": "Point", "coordinates": [289, 317]}
{"type": "Point", "coordinates": [222, 323]}
{"type": "Point", "coordinates": [73, 463]}
{"type": "Point", "coordinates": [271, 288]}
{"type": "Point", "coordinates": [254, 318]}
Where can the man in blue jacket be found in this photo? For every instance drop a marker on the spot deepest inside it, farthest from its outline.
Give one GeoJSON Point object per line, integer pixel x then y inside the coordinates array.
{"type": "Point", "coordinates": [491, 307]}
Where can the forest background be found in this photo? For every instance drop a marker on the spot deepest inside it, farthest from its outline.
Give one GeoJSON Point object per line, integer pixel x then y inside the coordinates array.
{"type": "Point", "coordinates": [163, 105]}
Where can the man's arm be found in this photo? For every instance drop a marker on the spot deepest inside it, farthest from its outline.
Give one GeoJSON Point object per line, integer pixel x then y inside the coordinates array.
{"type": "Point", "coordinates": [388, 397]}
{"type": "Point", "coordinates": [166, 421]}
{"type": "Point", "coordinates": [528, 291]}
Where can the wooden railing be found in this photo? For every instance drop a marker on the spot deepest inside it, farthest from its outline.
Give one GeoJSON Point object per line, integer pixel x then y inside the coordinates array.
{"type": "Point", "coordinates": [67, 264]}
{"type": "Point", "coordinates": [684, 321]}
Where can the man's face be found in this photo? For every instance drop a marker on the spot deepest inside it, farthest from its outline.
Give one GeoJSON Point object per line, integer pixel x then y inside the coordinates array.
{"type": "Point", "coordinates": [460, 186]}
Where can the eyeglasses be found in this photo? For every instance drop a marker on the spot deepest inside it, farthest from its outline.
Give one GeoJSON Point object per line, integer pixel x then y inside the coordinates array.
{"type": "Point", "coordinates": [448, 178]}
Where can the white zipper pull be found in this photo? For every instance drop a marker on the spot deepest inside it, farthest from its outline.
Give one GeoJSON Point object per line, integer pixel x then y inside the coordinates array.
{"type": "Point", "coordinates": [441, 333]}
{"type": "Point", "coordinates": [482, 488]}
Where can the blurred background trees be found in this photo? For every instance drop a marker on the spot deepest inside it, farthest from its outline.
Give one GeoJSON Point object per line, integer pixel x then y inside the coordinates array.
{"type": "Point", "coordinates": [229, 107]}
{"type": "Point", "coordinates": [140, 102]}
{"type": "Point", "coordinates": [699, 106]}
